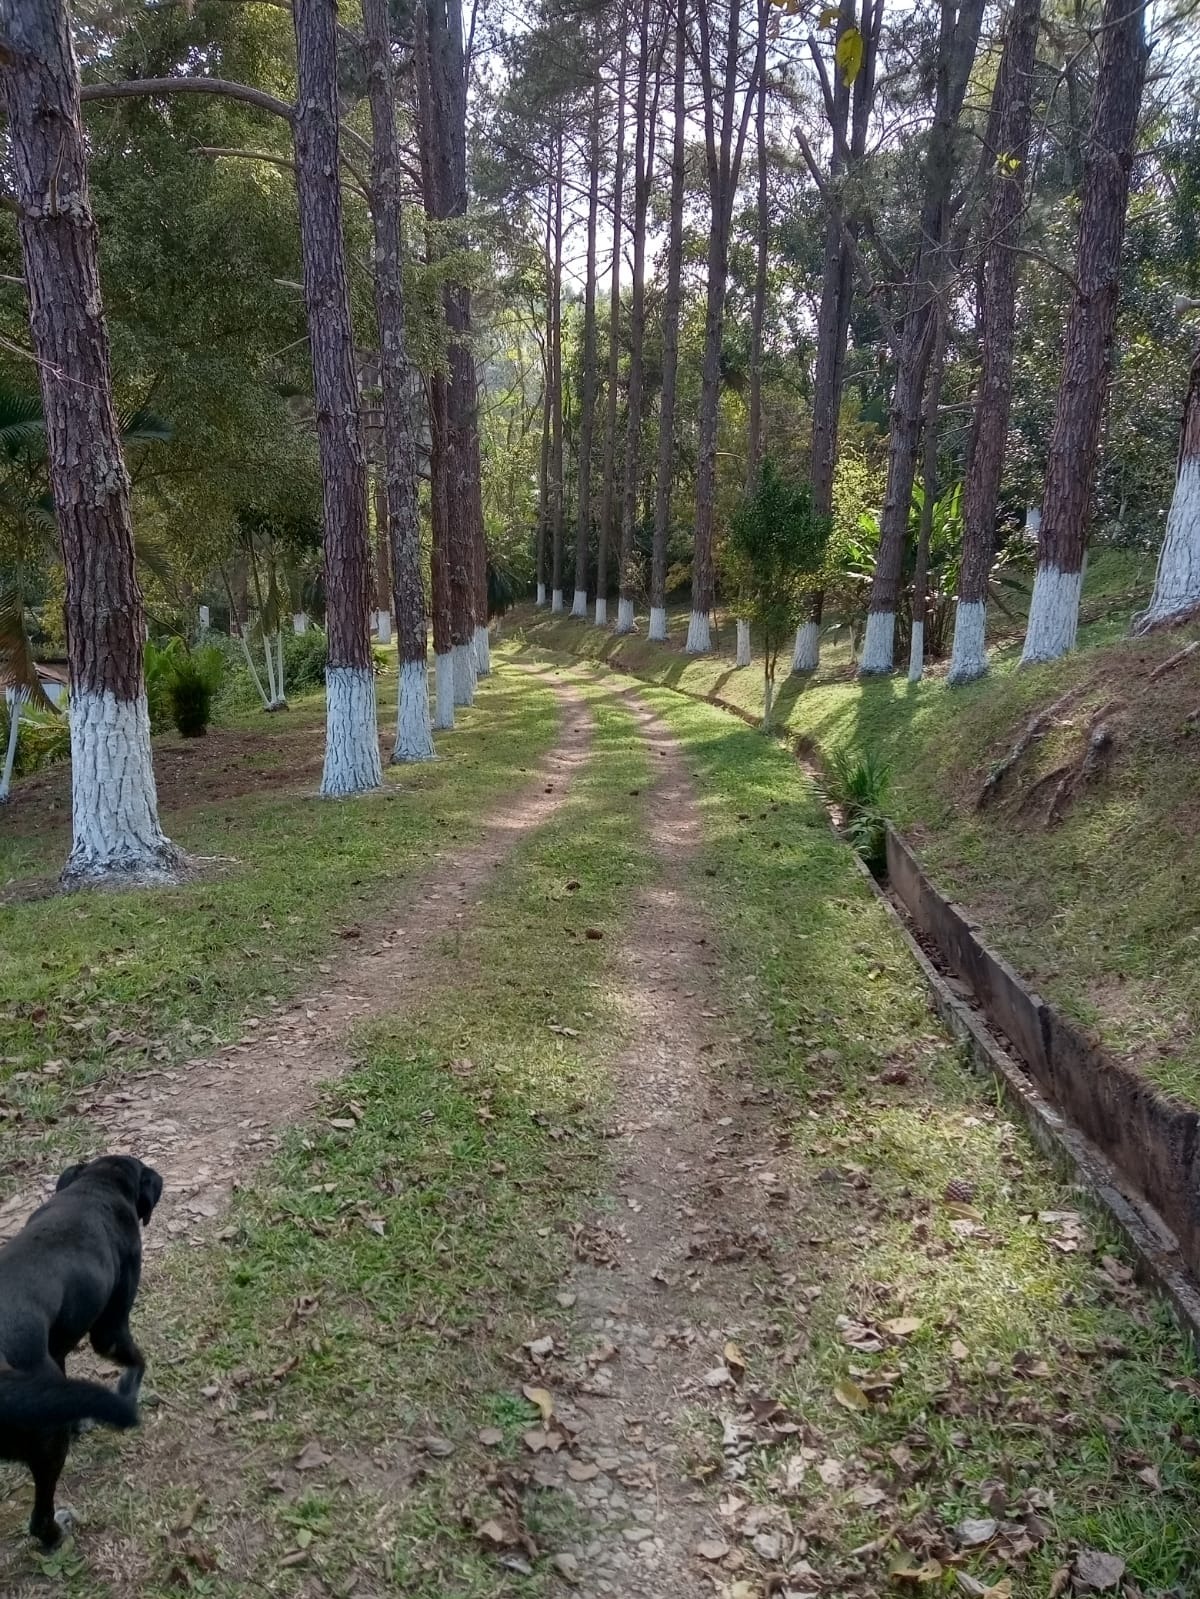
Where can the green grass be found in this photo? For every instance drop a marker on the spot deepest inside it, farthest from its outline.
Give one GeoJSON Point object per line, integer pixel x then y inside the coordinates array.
{"type": "Point", "coordinates": [100, 983]}
{"type": "Point", "coordinates": [1098, 911]}
{"type": "Point", "coordinates": [828, 995]}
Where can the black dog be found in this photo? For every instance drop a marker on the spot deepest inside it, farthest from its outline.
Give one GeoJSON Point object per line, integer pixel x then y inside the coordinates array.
{"type": "Point", "coordinates": [72, 1272]}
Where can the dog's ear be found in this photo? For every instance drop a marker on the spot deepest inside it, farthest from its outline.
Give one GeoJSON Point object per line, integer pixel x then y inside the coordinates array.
{"type": "Point", "coordinates": [69, 1176]}
{"type": "Point", "coordinates": [150, 1187]}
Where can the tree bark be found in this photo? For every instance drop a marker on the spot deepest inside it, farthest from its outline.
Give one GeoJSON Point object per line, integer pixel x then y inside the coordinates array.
{"type": "Point", "coordinates": [608, 485]}
{"type": "Point", "coordinates": [114, 806]}
{"type": "Point", "coordinates": [1082, 393]}
{"type": "Point", "coordinates": [671, 309]}
{"type": "Point", "coordinates": [931, 487]}
{"type": "Point", "coordinates": [557, 496]}
{"type": "Point", "coordinates": [957, 47]}
{"type": "Point", "coordinates": [1176, 594]}
{"type": "Point", "coordinates": [643, 163]}
{"type": "Point", "coordinates": [758, 304]}
{"type": "Point", "coordinates": [352, 762]}
{"type": "Point", "coordinates": [400, 531]}
{"type": "Point", "coordinates": [1007, 152]}
{"type": "Point", "coordinates": [583, 533]}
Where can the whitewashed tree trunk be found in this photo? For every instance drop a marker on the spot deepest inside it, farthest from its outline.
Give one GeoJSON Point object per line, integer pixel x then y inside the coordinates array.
{"type": "Point", "coordinates": [205, 618]}
{"type": "Point", "coordinates": [114, 800]}
{"type": "Point", "coordinates": [916, 653]}
{"type": "Point", "coordinates": [269, 663]}
{"type": "Point", "coordinates": [352, 760]}
{"type": "Point", "coordinates": [601, 611]}
{"type": "Point", "coordinates": [253, 670]}
{"type": "Point", "coordinates": [483, 650]}
{"type": "Point", "coordinates": [13, 701]}
{"type": "Point", "coordinates": [556, 602]}
{"type": "Point", "coordinates": [1177, 582]}
{"type": "Point", "coordinates": [299, 622]}
{"type": "Point", "coordinates": [968, 655]}
{"type": "Point", "coordinates": [279, 683]}
{"type": "Point", "coordinates": [624, 615]}
{"type": "Point", "coordinates": [1053, 615]}
{"type": "Point", "coordinates": [768, 702]}
{"type": "Point", "coordinates": [743, 643]}
{"type": "Point", "coordinates": [414, 733]}
{"type": "Point", "coordinates": [658, 623]}
{"type": "Point", "coordinates": [443, 672]}
{"type": "Point", "coordinates": [806, 657]}
{"type": "Point", "coordinates": [878, 644]}
{"type": "Point", "coordinates": [579, 604]}
{"type": "Point", "coordinates": [541, 594]}
{"type": "Point", "coordinates": [699, 636]}
{"type": "Point", "coordinates": [464, 674]}
{"type": "Point", "coordinates": [383, 626]}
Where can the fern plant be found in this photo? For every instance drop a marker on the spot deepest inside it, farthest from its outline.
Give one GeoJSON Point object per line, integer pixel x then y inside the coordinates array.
{"type": "Point", "coordinates": [860, 786]}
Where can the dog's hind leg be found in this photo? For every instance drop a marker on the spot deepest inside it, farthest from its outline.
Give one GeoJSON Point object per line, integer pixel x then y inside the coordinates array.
{"type": "Point", "coordinates": [116, 1343]}
{"type": "Point", "coordinates": [46, 1463]}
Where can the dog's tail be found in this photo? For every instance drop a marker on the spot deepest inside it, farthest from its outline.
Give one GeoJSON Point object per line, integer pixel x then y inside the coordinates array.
{"type": "Point", "coordinates": [45, 1398]}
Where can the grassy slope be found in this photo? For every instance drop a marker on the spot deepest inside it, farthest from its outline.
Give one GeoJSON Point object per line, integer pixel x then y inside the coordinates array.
{"type": "Point", "coordinates": [1099, 911]}
{"type": "Point", "coordinates": [375, 1283]}
{"type": "Point", "coordinates": [96, 983]}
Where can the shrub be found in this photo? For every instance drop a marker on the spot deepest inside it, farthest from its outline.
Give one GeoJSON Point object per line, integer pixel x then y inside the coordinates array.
{"type": "Point", "coordinates": [860, 785]}
{"type": "Point", "coordinates": [192, 689]}
{"type": "Point", "coordinates": [159, 663]}
{"type": "Point", "coordinates": [305, 657]}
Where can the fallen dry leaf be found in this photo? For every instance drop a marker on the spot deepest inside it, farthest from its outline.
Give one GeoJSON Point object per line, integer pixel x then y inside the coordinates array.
{"type": "Point", "coordinates": [713, 1549]}
{"type": "Point", "coordinates": [1096, 1572]}
{"type": "Point", "coordinates": [542, 1398]}
{"type": "Point", "coordinates": [905, 1567]}
{"type": "Point", "coordinates": [974, 1531]}
{"type": "Point", "coordinates": [582, 1470]}
{"type": "Point", "coordinates": [850, 1395]}
{"type": "Point", "coordinates": [489, 1437]}
{"type": "Point", "coordinates": [735, 1361]}
{"type": "Point", "coordinates": [311, 1457]}
{"type": "Point", "coordinates": [1149, 1475]}
{"type": "Point", "coordinates": [495, 1533]}
{"type": "Point", "coordinates": [538, 1439]}
{"type": "Point", "coordinates": [903, 1326]}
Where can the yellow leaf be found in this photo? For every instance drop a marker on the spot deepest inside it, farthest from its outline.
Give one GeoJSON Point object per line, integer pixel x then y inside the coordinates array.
{"type": "Point", "coordinates": [905, 1567]}
{"type": "Point", "coordinates": [829, 16]}
{"type": "Point", "coordinates": [542, 1398]}
{"type": "Point", "coordinates": [999, 1590]}
{"type": "Point", "coordinates": [850, 1395]}
{"type": "Point", "coordinates": [955, 1207]}
{"type": "Point", "coordinates": [849, 55]}
{"type": "Point", "coordinates": [904, 1326]}
{"type": "Point", "coordinates": [735, 1360]}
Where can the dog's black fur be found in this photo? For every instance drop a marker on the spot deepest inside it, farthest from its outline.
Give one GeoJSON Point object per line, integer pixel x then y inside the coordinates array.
{"type": "Point", "coordinates": [72, 1272]}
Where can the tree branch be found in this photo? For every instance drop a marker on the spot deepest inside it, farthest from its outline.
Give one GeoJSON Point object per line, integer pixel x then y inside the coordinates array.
{"type": "Point", "coordinates": [138, 87]}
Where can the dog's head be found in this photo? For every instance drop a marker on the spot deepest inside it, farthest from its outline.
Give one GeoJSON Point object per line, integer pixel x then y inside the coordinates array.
{"type": "Point", "coordinates": [141, 1183]}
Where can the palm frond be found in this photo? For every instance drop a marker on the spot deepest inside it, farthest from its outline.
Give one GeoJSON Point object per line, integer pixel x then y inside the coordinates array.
{"type": "Point", "coordinates": [21, 419]}
{"type": "Point", "coordinates": [145, 427]}
{"type": "Point", "coordinates": [18, 671]}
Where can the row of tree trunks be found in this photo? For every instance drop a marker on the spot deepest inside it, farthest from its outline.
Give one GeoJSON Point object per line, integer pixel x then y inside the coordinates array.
{"type": "Point", "coordinates": [608, 482]}
{"type": "Point", "coordinates": [1079, 414]}
{"type": "Point", "coordinates": [400, 531]}
{"type": "Point", "coordinates": [114, 807]}
{"type": "Point", "coordinates": [583, 532]}
{"type": "Point", "coordinates": [670, 337]}
{"type": "Point", "coordinates": [1007, 154]}
{"type": "Point", "coordinates": [958, 44]}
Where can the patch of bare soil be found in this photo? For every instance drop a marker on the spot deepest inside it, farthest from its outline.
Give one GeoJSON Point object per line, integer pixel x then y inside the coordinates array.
{"type": "Point", "coordinates": [204, 1123]}
{"type": "Point", "coordinates": [673, 1273]}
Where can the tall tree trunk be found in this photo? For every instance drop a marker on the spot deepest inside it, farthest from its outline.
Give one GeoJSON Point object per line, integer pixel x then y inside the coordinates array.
{"type": "Point", "coordinates": [1079, 413]}
{"type": "Point", "coordinates": [439, 564]}
{"type": "Point", "coordinates": [547, 343]}
{"type": "Point", "coordinates": [1176, 594]}
{"type": "Point", "coordinates": [671, 308]}
{"type": "Point", "coordinates": [383, 564]}
{"type": "Point", "coordinates": [931, 488]}
{"type": "Point", "coordinates": [754, 429]}
{"type": "Point", "coordinates": [723, 153]}
{"type": "Point", "coordinates": [400, 530]}
{"type": "Point", "coordinates": [557, 496]}
{"type": "Point", "coordinates": [957, 47]}
{"type": "Point", "coordinates": [1007, 150]}
{"type": "Point", "coordinates": [114, 807]}
{"type": "Point", "coordinates": [643, 162]}
{"type": "Point", "coordinates": [608, 485]}
{"type": "Point", "coordinates": [833, 316]}
{"type": "Point", "coordinates": [352, 761]}
{"type": "Point", "coordinates": [583, 533]}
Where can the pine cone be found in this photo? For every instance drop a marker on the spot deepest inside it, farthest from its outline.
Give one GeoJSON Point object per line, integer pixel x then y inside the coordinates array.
{"type": "Point", "coordinates": [959, 1191]}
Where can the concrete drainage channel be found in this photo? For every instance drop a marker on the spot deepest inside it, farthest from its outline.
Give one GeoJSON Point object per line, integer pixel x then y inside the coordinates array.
{"type": "Point", "coordinates": [1133, 1150]}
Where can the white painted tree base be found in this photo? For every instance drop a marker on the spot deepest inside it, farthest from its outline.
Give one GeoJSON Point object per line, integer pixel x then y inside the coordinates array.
{"type": "Point", "coordinates": [464, 674]}
{"type": "Point", "coordinates": [13, 703]}
{"type": "Point", "coordinates": [968, 654]}
{"type": "Point", "coordinates": [443, 674]}
{"type": "Point", "coordinates": [414, 729]}
{"type": "Point", "coordinates": [699, 637]}
{"type": "Point", "coordinates": [383, 626]}
{"type": "Point", "coordinates": [658, 623]}
{"type": "Point", "coordinates": [352, 763]}
{"type": "Point", "coordinates": [114, 804]}
{"type": "Point", "coordinates": [743, 644]}
{"type": "Point", "coordinates": [768, 703]}
{"type": "Point", "coordinates": [878, 644]}
{"type": "Point", "coordinates": [579, 604]}
{"type": "Point", "coordinates": [601, 613]}
{"type": "Point", "coordinates": [556, 602]}
{"type": "Point", "coordinates": [916, 653]}
{"type": "Point", "coordinates": [483, 651]}
{"type": "Point", "coordinates": [806, 657]}
{"type": "Point", "coordinates": [541, 594]}
{"type": "Point", "coordinates": [1053, 615]}
{"type": "Point", "coordinates": [624, 616]}
{"type": "Point", "coordinates": [299, 622]}
{"type": "Point", "coordinates": [1177, 581]}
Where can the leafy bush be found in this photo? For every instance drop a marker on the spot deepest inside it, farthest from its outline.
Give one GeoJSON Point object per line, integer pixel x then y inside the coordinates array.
{"type": "Point", "coordinates": [44, 739]}
{"type": "Point", "coordinates": [192, 689]}
{"type": "Point", "coordinates": [305, 657]}
{"type": "Point", "coordinates": [160, 661]}
{"type": "Point", "coordinates": [860, 785]}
